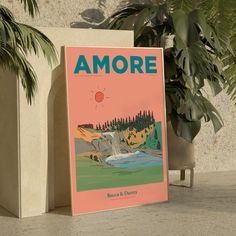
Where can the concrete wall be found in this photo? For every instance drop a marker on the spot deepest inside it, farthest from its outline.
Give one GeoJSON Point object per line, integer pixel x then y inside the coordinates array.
{"type": "Point", "coordinates": [34, 173]}
{"type": "Point", "coordinates": [9, 164]}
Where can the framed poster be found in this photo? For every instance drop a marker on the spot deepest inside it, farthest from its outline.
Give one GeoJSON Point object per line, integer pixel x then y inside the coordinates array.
{"type": "Point", "coordinates": [117, 127]}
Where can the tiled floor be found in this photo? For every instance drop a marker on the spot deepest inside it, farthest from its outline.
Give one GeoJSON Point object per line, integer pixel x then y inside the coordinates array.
{"type": "Point", "coordinates": [207, 209]}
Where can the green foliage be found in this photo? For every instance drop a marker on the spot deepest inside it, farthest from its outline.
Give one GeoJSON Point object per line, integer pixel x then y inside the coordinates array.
{"type": "Point", "coordinates": [154, 141]}
{"type": "Point", "coordinates": [31, 6]}
{"type": "Point", "coordinates": [221, 15]}
{"type": "Point", "coordinates": [198, 37]}
{"type": "Point", "coordinates": [139, 122]}
{"type": "Point", "coordinates": [17, 42]}
{"type": "Point", "coordinates": [185, 5]}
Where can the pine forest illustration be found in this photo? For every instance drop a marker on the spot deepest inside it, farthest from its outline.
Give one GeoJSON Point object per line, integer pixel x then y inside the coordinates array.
{"type": "Point", "coordinates": [120, 152]}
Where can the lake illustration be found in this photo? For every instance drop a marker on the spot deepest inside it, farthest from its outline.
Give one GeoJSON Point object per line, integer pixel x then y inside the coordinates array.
{"type": "Point", "coordinates": [119, 152]}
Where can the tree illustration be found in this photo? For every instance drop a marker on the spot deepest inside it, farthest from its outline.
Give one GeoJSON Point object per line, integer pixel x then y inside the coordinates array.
{"type": "Point", "coordinates": [155, 135]}
{"type": "Point", "coordinates": [140, 121]}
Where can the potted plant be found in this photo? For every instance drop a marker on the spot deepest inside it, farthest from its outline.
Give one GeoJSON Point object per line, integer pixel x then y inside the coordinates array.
{"type": "Point", "coordinates": [199, 42]}
{"type": "Point", "coordinates": [198, 50]}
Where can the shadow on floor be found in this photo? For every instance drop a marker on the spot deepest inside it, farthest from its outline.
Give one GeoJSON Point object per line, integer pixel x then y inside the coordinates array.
{"type": "Point", "coordinates": [213, 192]}
{"type": "Point", "coordinates": [66, 211]}
{"type": "Point", "coordinates": [5, 213]}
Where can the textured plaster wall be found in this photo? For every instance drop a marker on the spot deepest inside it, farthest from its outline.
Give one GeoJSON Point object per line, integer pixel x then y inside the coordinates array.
{"type": "Point", "coordinates": [213, 152]}
{"type": "Point", "coordinates": [217, 152]}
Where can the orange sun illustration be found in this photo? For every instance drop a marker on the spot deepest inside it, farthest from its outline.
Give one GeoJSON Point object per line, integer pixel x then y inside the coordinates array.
{"type": "Point", "coordinates": [99, 97]}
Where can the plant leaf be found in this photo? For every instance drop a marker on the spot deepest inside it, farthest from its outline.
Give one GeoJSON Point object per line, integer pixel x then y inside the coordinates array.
{"type": "Point", "coordinates": [17, 42]}
{"type": "Point", "coordinates": [31, 6]}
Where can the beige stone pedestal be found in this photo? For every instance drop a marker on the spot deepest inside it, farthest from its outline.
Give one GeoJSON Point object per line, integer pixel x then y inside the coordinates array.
{"type": "Point", "coordinates": [33, 145]}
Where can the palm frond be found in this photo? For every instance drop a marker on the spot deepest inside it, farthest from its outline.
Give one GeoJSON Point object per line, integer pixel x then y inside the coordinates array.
{"type": "Point", "coordinates": [16, 61]}
{"type": "Point", "coordinates": [121, 18]}
{"type": "Point", "coordinates": [229, 61]}
{"type": "Point", "coordinates": [32, 40]}
{"type": "Point", "coordinates": [222, 15]}
{"type": "Point", "coordinates": [230, 75]}
{"type": "Point", "coordinates": [6, 31]}
{"type": "Point", "coordinates": [31, 6]}
{"type": "Point", "coordinates": [17, 42]}
{"type": "Point", "coordinates": [185, 5]}
{"type": "Point", "coordinates": [125, 3]}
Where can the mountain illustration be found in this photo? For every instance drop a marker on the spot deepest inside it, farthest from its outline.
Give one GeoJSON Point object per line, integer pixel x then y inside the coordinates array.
{"type": "Point", "coordinates": [119, 139]}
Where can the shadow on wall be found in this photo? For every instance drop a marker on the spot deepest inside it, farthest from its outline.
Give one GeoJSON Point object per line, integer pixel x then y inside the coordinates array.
{"type": "Point", "coordinates": [95, 18]}
{"type": "Point", "coordinates": [58, 190]}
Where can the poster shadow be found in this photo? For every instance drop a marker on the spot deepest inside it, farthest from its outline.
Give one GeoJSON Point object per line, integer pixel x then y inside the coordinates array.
{"type": "Point", "coordinates": [65, 211]}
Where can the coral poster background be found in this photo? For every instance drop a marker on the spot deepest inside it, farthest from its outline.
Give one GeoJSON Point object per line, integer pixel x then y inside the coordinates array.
{"type": "Point", "coordinates": [123, 94]}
